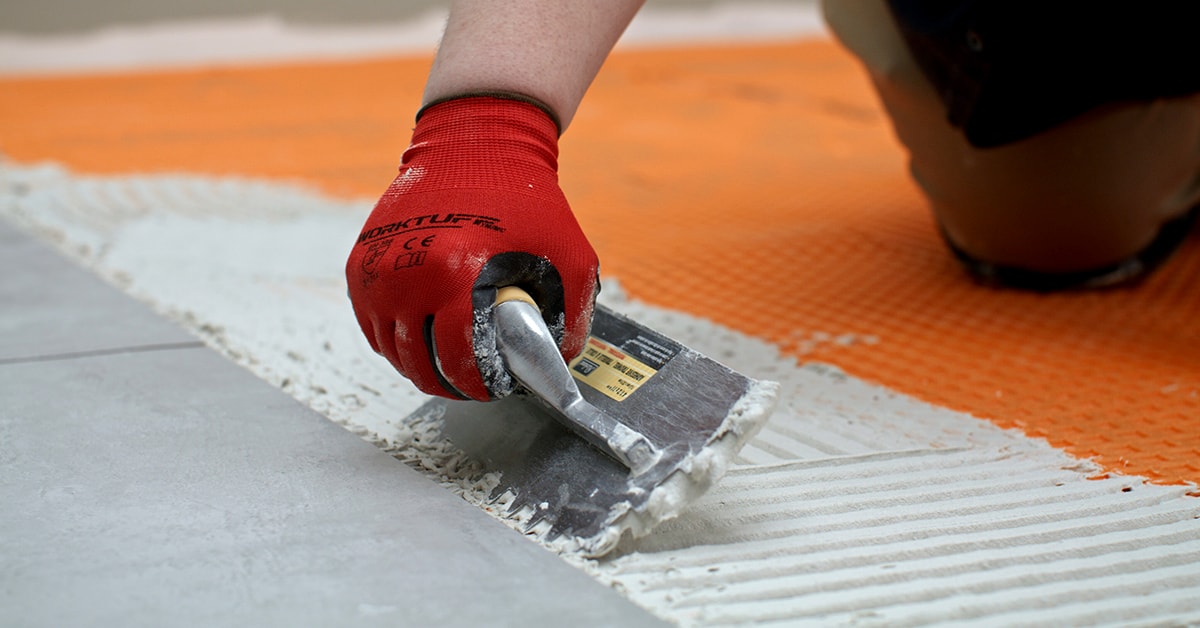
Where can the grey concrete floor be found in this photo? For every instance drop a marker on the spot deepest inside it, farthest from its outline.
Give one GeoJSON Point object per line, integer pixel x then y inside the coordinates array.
{"type": "Point", "coordinates": [146, 480]}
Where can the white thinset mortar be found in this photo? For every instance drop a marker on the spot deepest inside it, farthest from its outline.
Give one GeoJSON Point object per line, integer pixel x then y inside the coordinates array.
{"type": "Point", "coordinates": [854, 505]}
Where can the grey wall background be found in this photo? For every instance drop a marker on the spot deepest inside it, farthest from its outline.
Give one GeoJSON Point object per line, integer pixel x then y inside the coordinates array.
{"type": "Point", "coordinates": [43, 17]}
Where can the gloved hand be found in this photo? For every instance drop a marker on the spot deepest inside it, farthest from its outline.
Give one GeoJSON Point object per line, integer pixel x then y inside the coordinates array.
{"type": "Point", "coordinates": [476, 206]}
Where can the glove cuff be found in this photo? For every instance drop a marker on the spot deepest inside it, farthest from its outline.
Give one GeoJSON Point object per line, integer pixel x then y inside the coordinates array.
{"type": "Point", "coordinates": [498, 95]}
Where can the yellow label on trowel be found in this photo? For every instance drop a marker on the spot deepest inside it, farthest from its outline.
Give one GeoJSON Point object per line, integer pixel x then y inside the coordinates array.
{"type": "Point", "coordinates": [610, 370]}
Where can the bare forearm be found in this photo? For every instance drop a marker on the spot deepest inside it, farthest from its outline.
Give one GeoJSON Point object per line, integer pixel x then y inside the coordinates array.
{"type": "Point", "coordinates": [549, 50]}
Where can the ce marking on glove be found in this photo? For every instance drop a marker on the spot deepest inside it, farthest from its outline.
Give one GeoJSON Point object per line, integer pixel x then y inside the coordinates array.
{"type": "Point", "coordinates": [415, 249]}
{"type": "Point", "coordinates": [424, 243]}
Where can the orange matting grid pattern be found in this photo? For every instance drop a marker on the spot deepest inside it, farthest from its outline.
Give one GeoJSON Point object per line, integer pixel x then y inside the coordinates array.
{"type": "Point", "coordinates": [758, 186]}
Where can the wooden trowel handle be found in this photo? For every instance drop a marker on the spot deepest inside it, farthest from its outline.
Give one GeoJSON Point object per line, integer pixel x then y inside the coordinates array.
{"type": "Point", "coordinates": [514, 293]}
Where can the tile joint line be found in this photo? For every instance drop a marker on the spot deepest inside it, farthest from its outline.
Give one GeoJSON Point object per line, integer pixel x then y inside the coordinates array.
{"type": "Point", "coordinates": [54, 357]}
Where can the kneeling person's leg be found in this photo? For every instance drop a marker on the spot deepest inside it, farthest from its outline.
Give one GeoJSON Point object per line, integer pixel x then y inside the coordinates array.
{"type": "Point", "coordinates": [1094, 201]}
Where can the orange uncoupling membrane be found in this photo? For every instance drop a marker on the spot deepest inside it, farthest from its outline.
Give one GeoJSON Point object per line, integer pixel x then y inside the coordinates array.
{"type": "Point", "coordinates": [766, 174]}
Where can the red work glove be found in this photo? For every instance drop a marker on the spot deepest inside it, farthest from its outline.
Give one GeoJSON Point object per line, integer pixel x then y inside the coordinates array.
{"type": "Point", "coordinates": [476, 207]}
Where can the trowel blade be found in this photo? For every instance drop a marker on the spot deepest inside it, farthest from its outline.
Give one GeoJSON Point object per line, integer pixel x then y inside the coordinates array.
{"type": "Point", "coordinates": [698, 411]}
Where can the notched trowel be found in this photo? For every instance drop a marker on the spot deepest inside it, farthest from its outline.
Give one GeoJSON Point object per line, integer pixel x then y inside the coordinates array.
{"type": "Point", "coordinates": [622, 438]}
